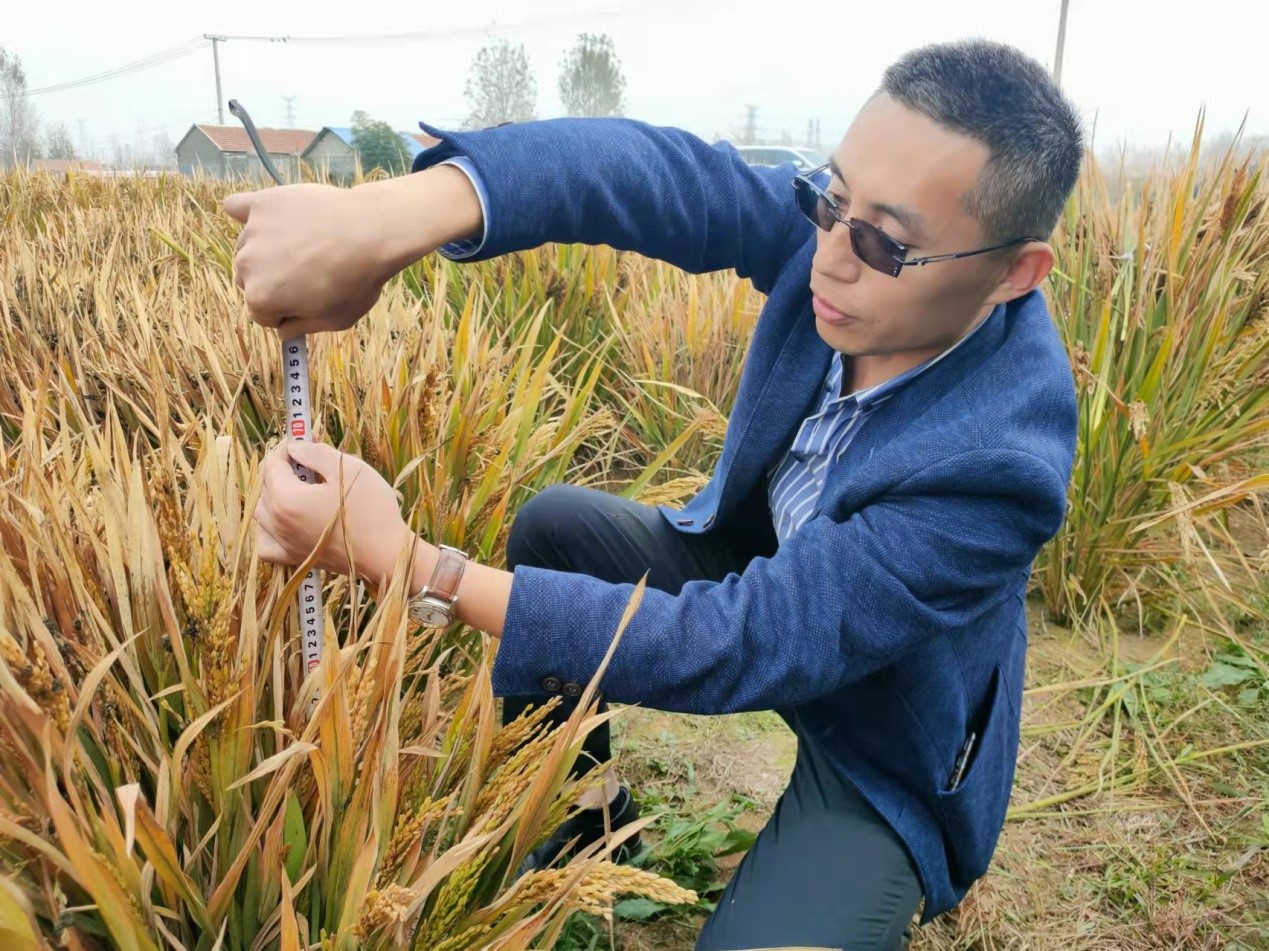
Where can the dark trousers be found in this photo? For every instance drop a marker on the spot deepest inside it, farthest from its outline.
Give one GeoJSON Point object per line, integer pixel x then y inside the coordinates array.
{"type": "Point", "coordinates": [826, 871]}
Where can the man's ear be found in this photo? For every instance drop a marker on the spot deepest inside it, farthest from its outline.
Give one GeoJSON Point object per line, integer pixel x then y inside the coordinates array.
{"type": "Point", "coordinates": [1029, 268]}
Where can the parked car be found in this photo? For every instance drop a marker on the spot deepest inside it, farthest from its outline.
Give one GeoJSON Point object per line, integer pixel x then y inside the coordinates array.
{"type": "Point", "coordinates": [803, 159]}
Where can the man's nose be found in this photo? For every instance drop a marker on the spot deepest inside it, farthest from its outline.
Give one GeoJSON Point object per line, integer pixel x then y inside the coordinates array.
{"type": "Point", "coordinates": [835, 255]}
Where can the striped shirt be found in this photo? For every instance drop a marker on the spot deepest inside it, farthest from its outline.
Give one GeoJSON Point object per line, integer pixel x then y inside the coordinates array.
{"type": "Point", "coordinates": [797, 480]}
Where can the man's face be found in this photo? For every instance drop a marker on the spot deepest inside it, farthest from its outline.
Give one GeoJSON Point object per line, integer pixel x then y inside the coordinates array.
{"type": "Point", "coordinates": [902, 172]}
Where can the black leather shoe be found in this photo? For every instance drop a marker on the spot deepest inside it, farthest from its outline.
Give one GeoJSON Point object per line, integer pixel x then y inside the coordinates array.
{"type": "Point", "coordinates": [587, 826]}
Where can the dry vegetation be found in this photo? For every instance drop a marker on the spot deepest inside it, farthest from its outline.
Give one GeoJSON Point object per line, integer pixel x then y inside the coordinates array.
{"type": "Point", "coordinates": [161, 787]}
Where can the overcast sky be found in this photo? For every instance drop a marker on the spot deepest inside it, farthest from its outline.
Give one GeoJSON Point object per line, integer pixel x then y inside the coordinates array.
{"type": "Point", "coordinates": [1140, 68]}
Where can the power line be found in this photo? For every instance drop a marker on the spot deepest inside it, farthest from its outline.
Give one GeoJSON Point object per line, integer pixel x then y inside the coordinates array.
{"type": "Point", "coordinates": [451, 33]}
{"type": "Point", "coordinates": [136, 66]}
{"type": "Point", "coordinates": [197, 43]}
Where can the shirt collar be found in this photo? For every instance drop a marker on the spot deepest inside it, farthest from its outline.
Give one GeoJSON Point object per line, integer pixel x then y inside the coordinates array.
{"type": "Point", "coordinates": [875, 394]}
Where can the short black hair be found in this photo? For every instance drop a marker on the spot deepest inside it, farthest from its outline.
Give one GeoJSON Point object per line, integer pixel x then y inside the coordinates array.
{"type": "Point", "coordinates": [1003, 98]}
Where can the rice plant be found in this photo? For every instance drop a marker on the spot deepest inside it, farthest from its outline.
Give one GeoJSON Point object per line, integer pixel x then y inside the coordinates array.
{"type": "Point", "coordinates": [1162, 299]}
{"type": "Point", "coordinates": [162, 785]}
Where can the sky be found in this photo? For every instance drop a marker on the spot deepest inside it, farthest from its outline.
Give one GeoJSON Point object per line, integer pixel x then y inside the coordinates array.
{"type": "Point", "coordinates": [1138, 70]}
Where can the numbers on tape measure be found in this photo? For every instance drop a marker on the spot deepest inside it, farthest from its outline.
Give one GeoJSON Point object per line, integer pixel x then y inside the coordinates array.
{"type": "Point", "coordinates": [296, 409]}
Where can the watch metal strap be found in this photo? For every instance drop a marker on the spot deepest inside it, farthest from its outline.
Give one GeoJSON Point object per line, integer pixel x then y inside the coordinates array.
{"type": "Point", "coordinates": [447, 575]}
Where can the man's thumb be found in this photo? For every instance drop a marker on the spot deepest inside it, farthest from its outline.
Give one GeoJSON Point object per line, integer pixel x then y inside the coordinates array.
{"type": "Point", "coordinates": [320, 457]}
{"type": "Point", "coordinates": [238, 205]}
{"type": "Point", "coordinates": [292, 327]}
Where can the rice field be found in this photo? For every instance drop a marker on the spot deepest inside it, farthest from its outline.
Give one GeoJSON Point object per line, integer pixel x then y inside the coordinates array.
{"type": "Point", "coordinates": [162, 785]}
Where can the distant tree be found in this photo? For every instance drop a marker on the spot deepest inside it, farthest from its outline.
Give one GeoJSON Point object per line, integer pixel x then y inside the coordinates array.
{"type": "Point", "coordinates": [377, 144]}
{"type": "Point", "coordinates": [163, 150]}
{"type": "Point", "coordinates": [500, 87]}
{"type": "Point", "coordinates": [591, 82]}
{"type": "Point", "coordinates": [58, 144]}
{"type": "Point", "coordinates": [19, 126]}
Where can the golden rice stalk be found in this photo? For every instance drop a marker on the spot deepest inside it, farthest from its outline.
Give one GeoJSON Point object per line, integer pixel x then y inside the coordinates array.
{"type": "Point", "coordinates": [599, 889]}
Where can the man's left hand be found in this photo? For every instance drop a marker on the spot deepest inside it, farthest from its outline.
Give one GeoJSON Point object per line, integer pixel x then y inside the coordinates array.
{"type": "Point", "coordinates": [292, 515]}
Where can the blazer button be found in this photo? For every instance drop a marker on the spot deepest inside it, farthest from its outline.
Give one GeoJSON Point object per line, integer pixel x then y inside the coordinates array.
{"type": "Point", "coordinates": [572, 690]}
{"type": "Point", "coordinates": [551, 684]}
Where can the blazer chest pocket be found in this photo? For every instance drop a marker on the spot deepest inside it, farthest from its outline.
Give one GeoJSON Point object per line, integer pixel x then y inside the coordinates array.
{"type": "Point", "coordinates": [973, 812]}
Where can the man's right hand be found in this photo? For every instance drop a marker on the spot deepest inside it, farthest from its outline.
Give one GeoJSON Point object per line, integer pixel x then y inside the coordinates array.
{"type": "Point", "coordinates": [314, 258]}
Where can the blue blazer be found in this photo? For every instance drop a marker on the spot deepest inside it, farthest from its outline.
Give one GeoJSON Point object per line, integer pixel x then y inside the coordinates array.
{"type": "Point", "coordinates": [893, 624]}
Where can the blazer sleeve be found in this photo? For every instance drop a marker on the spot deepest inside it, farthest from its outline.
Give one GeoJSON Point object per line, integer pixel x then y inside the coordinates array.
{"type": "Point", "coordinates": [659, 191]}
{"type": "Point", "coordinates": [838, 601]}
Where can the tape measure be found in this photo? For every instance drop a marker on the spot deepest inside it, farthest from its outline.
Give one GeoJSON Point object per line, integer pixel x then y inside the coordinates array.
{"type": "Point", "coordinates": [300, 426]}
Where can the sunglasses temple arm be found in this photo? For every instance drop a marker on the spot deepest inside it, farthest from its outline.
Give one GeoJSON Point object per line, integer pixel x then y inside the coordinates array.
{"type": "Point", "coordinates": [936, 258]}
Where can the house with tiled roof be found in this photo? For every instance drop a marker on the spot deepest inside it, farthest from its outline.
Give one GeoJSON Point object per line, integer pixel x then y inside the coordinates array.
{"type": "Point", "coordinates": [225, 151]}
{"type": "Point", "coordinates": [333, 154]}
{"type": "Point", "coordinates": [63, 166]}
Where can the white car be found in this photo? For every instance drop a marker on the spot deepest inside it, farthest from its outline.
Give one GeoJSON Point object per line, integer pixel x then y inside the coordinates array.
{"type": "Point", "coordinates": [803, 159]}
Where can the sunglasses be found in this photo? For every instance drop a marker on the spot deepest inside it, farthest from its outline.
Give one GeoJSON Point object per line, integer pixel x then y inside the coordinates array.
{"type": "Point", "coordinates": [871, 245]}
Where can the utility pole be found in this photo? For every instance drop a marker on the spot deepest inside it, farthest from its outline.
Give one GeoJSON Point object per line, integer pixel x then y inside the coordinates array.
{"type": "Point", "coordinates": [1061, 45]}
{"type": "Point", "coordinates": [216, 38]}
{"type": "Point", "coordinates": [83, 142]}
{"type": "Point", "coordinates": [751, 125]}
{"type": "Point", "coordinates": [290, 112]}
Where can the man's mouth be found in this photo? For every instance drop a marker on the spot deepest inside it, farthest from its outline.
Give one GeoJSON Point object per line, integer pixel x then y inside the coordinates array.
{"type": "Point", "coordinates": [828, 313]}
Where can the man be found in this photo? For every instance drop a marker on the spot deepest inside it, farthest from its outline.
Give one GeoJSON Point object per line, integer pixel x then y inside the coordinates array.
{"type": "Point", "coordinates": [898, 453]}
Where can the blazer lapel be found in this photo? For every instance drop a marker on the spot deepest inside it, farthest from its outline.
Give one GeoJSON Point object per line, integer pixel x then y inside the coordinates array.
{"type": "Point", "coordinates": [766, 425]}
{"type": "Point", "coordinates": [909, 403]}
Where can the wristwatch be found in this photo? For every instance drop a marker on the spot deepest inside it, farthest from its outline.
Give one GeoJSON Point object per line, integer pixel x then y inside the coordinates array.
{"type": "Point", "coordinates": [433, 606]}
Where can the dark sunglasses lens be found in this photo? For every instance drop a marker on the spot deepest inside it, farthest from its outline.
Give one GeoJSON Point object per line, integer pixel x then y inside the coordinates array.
{"type": "Point", "coordinates": [824, 213]}
{"type": "Point", "coordinates": [813, 206]}
{"type": "Point", "coordinates": [875, 249]}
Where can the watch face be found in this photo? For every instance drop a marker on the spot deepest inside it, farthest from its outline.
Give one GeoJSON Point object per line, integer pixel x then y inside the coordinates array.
{"type": "Point", "coordinates": [429, 613]}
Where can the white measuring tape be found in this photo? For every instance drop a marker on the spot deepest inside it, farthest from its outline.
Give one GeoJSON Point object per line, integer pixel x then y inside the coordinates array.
{"type": "Point", "coordinates": [300, 426]}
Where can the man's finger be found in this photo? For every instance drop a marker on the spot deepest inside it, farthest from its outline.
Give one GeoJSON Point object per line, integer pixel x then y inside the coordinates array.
{"type": "Point", "coordinates": [260, 514]}
{"type": "Point", "coordinates": [264, 521]}
{"type": "Point", "coordinates": [238, 205]}
{"type": "Point", "coordinates": [289, 328]}
{"type": "Point", "coordinates": [319, 457]}
{"type": "Point", "coordinates": [261, 312]}
{"type": "Point", "coordinates": [279, 478]}
{"type": "Point", "coordinates": [269, 548]}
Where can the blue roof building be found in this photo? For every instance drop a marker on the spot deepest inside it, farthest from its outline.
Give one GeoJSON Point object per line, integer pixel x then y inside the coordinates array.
{"type": "Point", "coordinates": [332, 150]}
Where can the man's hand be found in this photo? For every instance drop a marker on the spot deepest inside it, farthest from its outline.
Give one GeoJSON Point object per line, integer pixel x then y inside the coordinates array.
{"type": "Point", "coordinates": [291, 515]}
{"type": "Point", "coordinates": [307, 257]}
{"type": "Point", "coordinates": [315, 258]}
